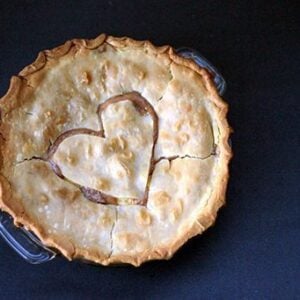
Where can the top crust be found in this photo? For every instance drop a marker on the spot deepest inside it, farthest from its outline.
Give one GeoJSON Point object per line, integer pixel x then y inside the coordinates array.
{"type": "Point", "coordinates": [61, 91]}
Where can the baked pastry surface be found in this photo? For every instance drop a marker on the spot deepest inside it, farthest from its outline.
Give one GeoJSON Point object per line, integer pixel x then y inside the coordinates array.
{"type": "Point", "coordinates": [113, 150]}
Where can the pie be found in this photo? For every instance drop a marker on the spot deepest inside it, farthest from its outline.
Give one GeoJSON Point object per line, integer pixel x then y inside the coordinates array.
{"type": "Point", "coordinates": [113, 150]}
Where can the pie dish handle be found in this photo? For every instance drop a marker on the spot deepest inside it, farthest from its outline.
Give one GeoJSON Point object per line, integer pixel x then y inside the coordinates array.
{"type": "Point", "coordinates": [24, 242]}
{"type": "Point", "coordinates": [201, 61]}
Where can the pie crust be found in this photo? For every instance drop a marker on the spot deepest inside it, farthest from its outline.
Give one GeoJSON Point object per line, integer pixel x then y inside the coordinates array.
{"type": "Point", "coordinates": [113, 150]}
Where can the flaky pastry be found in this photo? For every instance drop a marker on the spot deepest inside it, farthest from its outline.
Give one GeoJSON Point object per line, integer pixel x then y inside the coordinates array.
{"type": "Point", "coordinates": [113, 150]}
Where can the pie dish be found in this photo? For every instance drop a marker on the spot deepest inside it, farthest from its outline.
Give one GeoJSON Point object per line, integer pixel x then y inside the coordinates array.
{"type": "Point", "coordinates": [113, 150]}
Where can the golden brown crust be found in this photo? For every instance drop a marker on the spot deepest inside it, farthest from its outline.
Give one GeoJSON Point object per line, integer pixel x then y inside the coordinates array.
{"type": "Point", "coordinates": [206, 217]}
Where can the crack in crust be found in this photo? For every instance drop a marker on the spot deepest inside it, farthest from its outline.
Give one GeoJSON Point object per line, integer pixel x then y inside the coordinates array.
{"type": "Point", "coordinates": [112, 232]}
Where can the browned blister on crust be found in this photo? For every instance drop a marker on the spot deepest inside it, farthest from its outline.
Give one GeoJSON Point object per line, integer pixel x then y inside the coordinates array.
{"type": "Point", "coordinates": [136, 129]}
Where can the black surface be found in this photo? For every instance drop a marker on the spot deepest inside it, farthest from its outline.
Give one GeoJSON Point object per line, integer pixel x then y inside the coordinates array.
{"type": "Point", "coordinates": [253, 251]}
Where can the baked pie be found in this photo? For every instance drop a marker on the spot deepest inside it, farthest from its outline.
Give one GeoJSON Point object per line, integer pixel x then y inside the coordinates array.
{"type": "Point", "coordinates": [113, 150]}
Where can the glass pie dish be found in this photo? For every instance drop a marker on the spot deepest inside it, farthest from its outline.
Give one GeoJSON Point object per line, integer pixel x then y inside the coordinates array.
{"type": "Point", "coordinates": [25, 243]}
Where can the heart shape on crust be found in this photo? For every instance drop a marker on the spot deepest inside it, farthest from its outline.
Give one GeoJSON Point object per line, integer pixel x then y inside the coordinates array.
{"type": "Point", "coordinates": [112, 165]}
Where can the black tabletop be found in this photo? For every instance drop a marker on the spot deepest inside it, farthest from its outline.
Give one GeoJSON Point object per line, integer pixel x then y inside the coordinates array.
{"type": "Point", "coordinates": [252, 252]}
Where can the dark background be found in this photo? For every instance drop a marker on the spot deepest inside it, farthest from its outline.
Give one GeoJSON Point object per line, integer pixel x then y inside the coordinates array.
{"type": "Point", "coordinates": [253, 250]}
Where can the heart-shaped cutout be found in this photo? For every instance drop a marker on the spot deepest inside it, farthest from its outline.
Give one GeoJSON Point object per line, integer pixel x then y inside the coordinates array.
{"type": "Point", "coordinates": [112, 165]}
